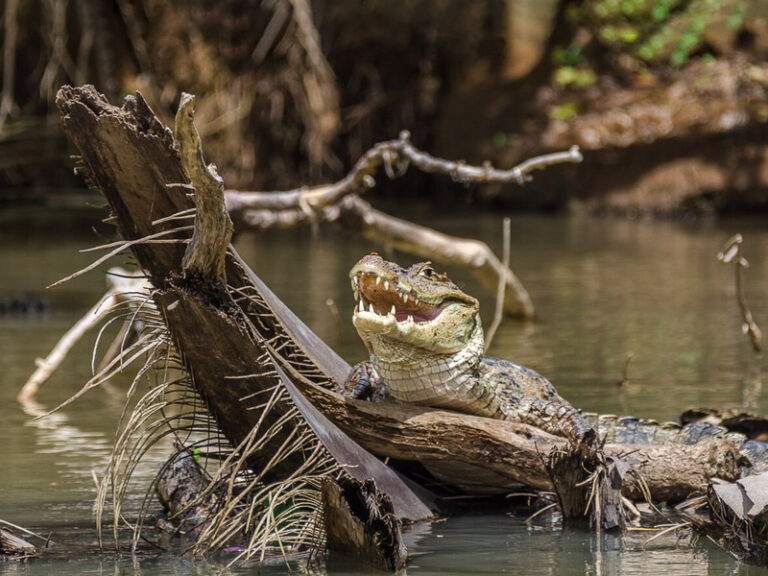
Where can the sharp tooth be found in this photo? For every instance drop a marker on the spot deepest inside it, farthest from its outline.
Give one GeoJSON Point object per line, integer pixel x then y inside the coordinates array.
{"type": "Point", "coordinates": [410, 318]}
{"type": "Point", "coordinates": [361, 306]}
{"type": "Point", "coordinates": [415, 300]}
{"type": "Point", "coordinates": [378, 280]}
{"type": "Point", "coordinates": [370, 309]}
{"type": "Point", "coordinates": [386, 285]}
{"type": "Point", "coordinates": [405, 298]}
{"type": "Point", "coordinates": [393, 311]}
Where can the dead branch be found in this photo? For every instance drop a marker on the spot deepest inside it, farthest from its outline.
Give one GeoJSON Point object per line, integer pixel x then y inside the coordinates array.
{"type": "Point", "coordinates": [427, 243]}
{"type": "Point", "coordinates": [624, 378]}
{"type": "Point", "coordinates": [121, 287]}
{"type": "Point", "coordinates": [204, 256]}
{"type": "Point", "coordinates": [497, 313]}
{"type": "Point", "coordinates": [395, 156]}
{"type": "Point", "coordinates": [60, 59]}
{"type": "Point", "coordinates": [319, 85]}
{"type": "Point", "coordinates": [731, 253]}
{"type": "Point", "coordinates": [340, 202]}
{"type": "Point", "coordinates": [12, 546]}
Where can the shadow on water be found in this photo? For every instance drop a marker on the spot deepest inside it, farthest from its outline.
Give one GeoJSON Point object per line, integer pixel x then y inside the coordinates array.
{"type": "Point", "coordinates": [602, 288]}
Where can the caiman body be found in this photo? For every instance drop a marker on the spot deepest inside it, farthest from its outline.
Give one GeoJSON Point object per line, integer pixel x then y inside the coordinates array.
{"type": "Point", "coordinates": [426, 347]}
{"type": "Point", "coordinates": [426, 343]}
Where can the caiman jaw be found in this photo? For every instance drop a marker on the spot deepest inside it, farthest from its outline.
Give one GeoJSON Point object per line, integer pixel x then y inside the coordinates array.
{"type": "Point", "coordinates": [378, 296]}
{"type": "Point", "coordinates": [387, 306]}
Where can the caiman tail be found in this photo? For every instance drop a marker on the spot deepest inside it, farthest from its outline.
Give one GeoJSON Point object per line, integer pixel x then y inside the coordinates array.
{"type": "Point", "coordinates": [630, 430]}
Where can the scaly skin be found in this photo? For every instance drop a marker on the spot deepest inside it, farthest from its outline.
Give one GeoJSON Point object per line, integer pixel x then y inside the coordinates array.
{"type": "Point", "coordinates": [426, 343]}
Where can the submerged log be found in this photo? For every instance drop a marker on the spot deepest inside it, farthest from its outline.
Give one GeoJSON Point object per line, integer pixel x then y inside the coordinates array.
{"type": "Point", "coordinates": [360, 521]}
{"type": "Point", "coordinates": [14, 547]}
{"type": "Point", "coordinates": [131, 157]}
{"type": "Point", "coordinates": [179, 488]}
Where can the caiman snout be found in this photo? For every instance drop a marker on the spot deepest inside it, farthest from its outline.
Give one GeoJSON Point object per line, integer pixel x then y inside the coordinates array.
{"type": "Point", "coordinates": [416, 305]}
{"type": "Point", "coordinates": [384, 297]}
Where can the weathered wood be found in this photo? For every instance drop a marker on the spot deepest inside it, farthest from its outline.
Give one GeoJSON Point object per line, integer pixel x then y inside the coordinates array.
{"type": "Point", "coordinates": [360, 521]}
{"type": "Point", "coordinates": [127, 154]}
{"type": "Point", "coordinates": [213, 228]}
{"type": "Point", "coordinates": [122, 286]}
{"type": "Point", "coordinates": [227, 374]}
{"type": "Point", "coordinates": [674, 472]}
{"type": "Point", "coordinates": [566, 469]}
{"type": "Point", "coordinates": [516, 452]}
{"type": "Point", "coordinates": [179, 487]}
{"type": "Point", "coordinates": [740, 517]}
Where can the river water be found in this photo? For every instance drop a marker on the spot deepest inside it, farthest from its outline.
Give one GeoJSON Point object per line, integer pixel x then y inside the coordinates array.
{"type": "Point", "coordinates": [602, 288]}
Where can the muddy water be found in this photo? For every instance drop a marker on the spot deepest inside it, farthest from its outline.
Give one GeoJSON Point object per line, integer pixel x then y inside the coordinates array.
{"type": "Point", "coordinates": [602, 289]}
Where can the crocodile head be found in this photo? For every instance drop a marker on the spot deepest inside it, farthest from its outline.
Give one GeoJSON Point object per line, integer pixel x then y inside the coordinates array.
{"type": "Point", "coordinates": [415, 306]}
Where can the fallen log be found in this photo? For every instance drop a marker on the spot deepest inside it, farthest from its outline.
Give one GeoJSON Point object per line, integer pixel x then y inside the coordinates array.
{"type": "Point", "coordinates": [516, 453]}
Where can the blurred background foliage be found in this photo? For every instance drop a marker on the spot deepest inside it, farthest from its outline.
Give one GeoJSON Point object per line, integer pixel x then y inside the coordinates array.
{"type": "Point", "coordinates": [291, 92]}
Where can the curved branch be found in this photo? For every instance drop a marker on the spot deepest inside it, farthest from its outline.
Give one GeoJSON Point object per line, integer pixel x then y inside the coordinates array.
{"type": "Point", "coordinates": [423, 242]}
{"type": "Point", "coordinates": [340, 201]}
{"type": "Point", "coordinates": [396, 156]}
{"type": "Point", "coordinates": [213, 227]}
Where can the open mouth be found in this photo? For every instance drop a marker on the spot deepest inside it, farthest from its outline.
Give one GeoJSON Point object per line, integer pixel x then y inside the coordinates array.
{"type": "Point", "coordinates": [377, 295]}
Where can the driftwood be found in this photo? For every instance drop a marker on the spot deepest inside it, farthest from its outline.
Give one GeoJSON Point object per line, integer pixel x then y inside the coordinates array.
{"type": "Point", "coordinates": [516, 453]}
{"type": "Point", "coordinates": [735, 516]}
{"type": "Point", "coordinates": [12, 546]}
{"type": "Point", "coordinates": [117, 146]}
{"type": "Point", "coordinates": [731, 254]}
{"type": "Point", "coordinates": [179, 487]}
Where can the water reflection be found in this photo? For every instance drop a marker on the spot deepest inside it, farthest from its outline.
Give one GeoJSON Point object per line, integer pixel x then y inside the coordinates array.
{"type": "Point", "coordinates": [56, 435]}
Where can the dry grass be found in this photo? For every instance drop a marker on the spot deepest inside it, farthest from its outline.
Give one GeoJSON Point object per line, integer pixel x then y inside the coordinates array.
{"type": "Point", "coordinates": [262, 517]}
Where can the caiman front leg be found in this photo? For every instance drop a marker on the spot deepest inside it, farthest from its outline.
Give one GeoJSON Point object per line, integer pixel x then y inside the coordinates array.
{"type": "Point", "coordinates": [364, 384]}
{"type": "Point", "coordinates": [553, 416]}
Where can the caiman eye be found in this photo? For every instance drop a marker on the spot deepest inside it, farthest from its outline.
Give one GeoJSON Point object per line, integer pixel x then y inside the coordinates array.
{"type": "Point", "coordinates": [427, 272]}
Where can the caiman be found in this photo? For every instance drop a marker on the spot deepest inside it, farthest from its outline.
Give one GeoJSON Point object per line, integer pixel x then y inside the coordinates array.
{"type": "Point", "coordinates": [426, 346]}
